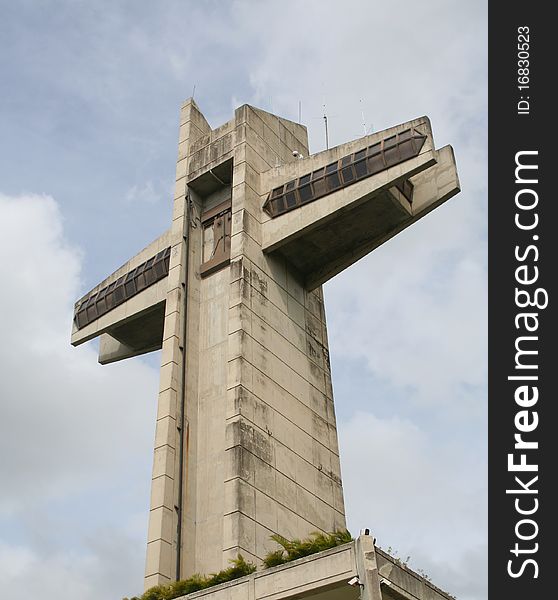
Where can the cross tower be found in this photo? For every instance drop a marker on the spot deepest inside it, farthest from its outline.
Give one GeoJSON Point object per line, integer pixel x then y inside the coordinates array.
{"type": "Point", "coordinates": [246, 441]}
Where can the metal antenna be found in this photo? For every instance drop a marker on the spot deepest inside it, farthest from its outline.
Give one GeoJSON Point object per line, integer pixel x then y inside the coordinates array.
{"type": "Point", "coordinates": [299, 110]}
{"type": "Point", "coordinates": [326, 133]}
{"type": "Point", "coordinates": [194, 91]}
{"type": "Point", "coordinates": [325, 118]}
{"type": "Point", "coordinates": [363, 120]}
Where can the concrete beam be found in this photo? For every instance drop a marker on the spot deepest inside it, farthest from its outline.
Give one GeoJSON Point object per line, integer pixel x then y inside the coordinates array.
{"type": "Point", "coordinates": [283, 230]}
{"type": "Point", "coordinates": [433, 187]}
{"type": "Point", "coordinates": [139, 303]}
{"type": "Point", "coordinates": [324, 237]}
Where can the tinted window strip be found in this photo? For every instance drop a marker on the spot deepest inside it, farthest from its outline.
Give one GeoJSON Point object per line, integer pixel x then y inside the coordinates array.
{"type": "Point", "coordinates": [97, 304]}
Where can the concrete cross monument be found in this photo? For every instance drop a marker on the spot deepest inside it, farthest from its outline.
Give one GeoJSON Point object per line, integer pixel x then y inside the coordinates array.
{"type": "Point", "coordinates": [246, 441]}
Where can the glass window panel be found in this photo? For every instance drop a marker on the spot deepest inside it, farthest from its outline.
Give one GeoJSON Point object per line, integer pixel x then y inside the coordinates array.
{"type": "Point", "coordinates": [91, 313]}
{"type": "Point", "coordinates": [290, 199]}
{"type": "Point", "coordinates": [81, 318]}
{"type": "Point", "coordinates": [290, 185]}
{"type": "Point", "coordinates": [279, 205]}
{"type": "Point", "coordinates": [391, 155]}
{"type": "Point", "coordinates": [331, 168]}
{"type": "Point", "coordinates": [406, 149]}
{"type": "Point", "coordinates": [130, 275]}
{"type": "Point", "coordinates": [101, 306]}
{"type": "Point", "coordinates": [361, 170]}
{"type": "Point", "coordinates": [140, 281]}
{"type": "Point", "coordinates": [346, 160]}
{"type": "Point", "coordinates": [333, 181]}
{"type": "Point", "coordinates": [208, 238]}
{"type": "Point", "coordinates": [360, 154]}
{"type": "Point", "coordinates": [404, 135]}
{"type": "Point", "coordinates": [129, 288]}
{"type": "Point", "coordinates": [90, 300]}
{"type": "Point", "coordinates": [348, 175]}
{"type": "Point", "coordinates": [375, 149]}
{"type": "Point", "coordinates": [304, 179]}
{"type": "Point", "coordinates": [319, 188]}
{"type": "Point", "coordinates": [118, 294]}
{"type": "Point", "coordinates": [149, 275]}
{"type": "Point", "coordinates": [418, 141]}
{"type": "Point", "coordinates": [219, 236]}
{"type": "Point", "coordinates": [109, 299]}
{"type": "Point", "coordinates": [390, 142]}
{"type": "Point", "coordinates": [277, 192]}
{"type": "Point", "coordinates": [305, 193]}
{"type": "Point", "coordinates": [159, 268]}
{"type": "Point", "coordinates": [376, 164]}
{"type": "Point", "coordinates": [317, 174]}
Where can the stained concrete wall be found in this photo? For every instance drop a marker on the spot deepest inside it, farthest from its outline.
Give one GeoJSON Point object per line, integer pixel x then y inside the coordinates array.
{"type": "Point", "coordinates": [261, 442]}
{"type": "Point", "coordinates": [282, 458]}
{"type": "Point", "coordinates": [167, 468]}
{"type": "Point", "coordinates": [245, 441]}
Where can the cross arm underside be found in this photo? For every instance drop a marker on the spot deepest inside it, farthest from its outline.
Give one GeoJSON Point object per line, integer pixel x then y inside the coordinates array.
{"type": "Point", "coordinates": [377, 187]}
{"type": "Point", "coordinates": [127, 308]}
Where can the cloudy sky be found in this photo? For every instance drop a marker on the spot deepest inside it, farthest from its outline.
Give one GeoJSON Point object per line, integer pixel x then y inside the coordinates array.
{"type": "Point", "coordinates": [89, 100]}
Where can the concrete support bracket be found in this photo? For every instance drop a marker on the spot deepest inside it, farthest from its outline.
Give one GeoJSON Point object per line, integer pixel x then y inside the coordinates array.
{"type": "Point", "coordinates": [367, 568]}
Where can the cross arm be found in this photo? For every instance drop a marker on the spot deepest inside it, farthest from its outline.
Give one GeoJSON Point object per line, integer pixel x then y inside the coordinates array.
{"type": "Point", "coordinates": [127, 308]}
{"type": "Point", "coordinates": [328, 210]}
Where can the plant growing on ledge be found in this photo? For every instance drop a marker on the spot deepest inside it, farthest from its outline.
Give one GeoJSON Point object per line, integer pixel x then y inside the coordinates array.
{"type": "Point", "coordinates": [293, 549]}
{"type": "Point", "coordinates": [240, 567]}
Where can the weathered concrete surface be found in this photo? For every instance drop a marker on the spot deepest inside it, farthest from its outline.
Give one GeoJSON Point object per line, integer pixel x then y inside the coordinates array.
{"type": "Point", "coordinates": [130, 309]}
{"type": "Point", "coordinates": [262, 455]}
{"type": "Point", "coordinates": [246, 440]}
{"type": "Point", "coordinates": [325, 236]}
{"type": "Point", "coordinates": [402, 583]}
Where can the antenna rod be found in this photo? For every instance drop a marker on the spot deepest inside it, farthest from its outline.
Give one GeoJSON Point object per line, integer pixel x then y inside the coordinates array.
{"type": "Point", "coordinates": [326, 133]}
{"type": "Point", "coordinates": [299, 110]}
{"type": "Point", "coordinates": [363, 119]}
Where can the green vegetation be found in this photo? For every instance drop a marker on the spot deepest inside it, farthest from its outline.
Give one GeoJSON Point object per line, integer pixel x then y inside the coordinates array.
{"type": "Point", "coordinates": [290, 550]}
{"type": "Point", "coordinates": [239, 568]}
{"type": "Point", "coordinates": [293, 549]}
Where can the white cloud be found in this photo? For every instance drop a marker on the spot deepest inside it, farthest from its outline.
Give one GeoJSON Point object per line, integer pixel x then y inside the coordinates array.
{"type": "Point", "coordinates": [147, 191]}
{"type": "Point", "coordinates": [416, 312]}
{"type": "Point", "coordinates": [403, 59]}
{"type": "Point", "coordinates": [424, 499]}
{"type": "Point", "coordinates": [75, 437]}
{"type": "Point", "coordinates": [91, 574]}
{"type": "Point", "coordinates": [413, 313]}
